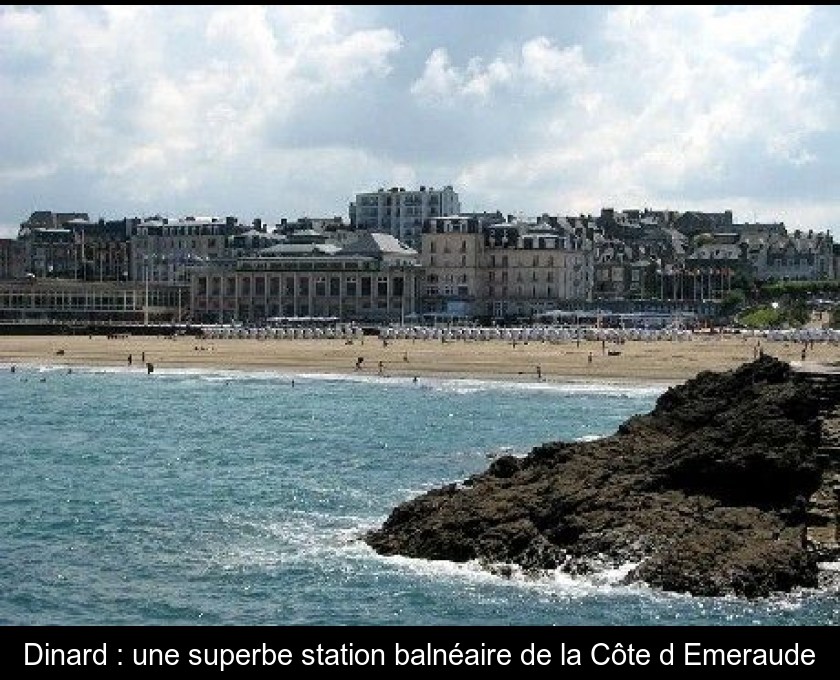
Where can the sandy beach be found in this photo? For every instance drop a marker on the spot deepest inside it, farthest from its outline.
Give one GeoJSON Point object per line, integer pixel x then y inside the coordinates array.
{"type": "Point", "coordinates": [634, 361]}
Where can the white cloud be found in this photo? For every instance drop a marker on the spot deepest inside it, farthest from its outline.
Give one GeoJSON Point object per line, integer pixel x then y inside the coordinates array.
{"type": "Point", "coordinates": [671, 105]}
{"type": "Point", "coordinates": [277, 108]}
{"type": "Point", "coordinates": [538, 65]}
{"type": "Point", "coordinates": [156, 99]}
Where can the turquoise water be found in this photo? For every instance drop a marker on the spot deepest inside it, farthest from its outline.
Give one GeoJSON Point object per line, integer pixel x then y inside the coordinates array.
{"type": "Point", "coordinates": [228, 498]}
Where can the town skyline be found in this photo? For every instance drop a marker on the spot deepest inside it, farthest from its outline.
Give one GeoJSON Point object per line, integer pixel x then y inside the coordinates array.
{"type": "Point", "coordinates": [279, 111]}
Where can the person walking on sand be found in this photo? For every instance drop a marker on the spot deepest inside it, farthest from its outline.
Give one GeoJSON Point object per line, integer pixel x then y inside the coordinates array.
{"type": "Point", "coordinates": [590, 357]}
{"type": "Point", "coordinates": [539, 372]}
{"type": "Point", "coordinates": [129, 360]}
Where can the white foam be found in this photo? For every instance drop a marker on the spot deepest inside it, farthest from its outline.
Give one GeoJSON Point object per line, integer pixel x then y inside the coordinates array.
{"type": "Point", "coordinates": [451, 385]}
{"type": "Point", "coordinates": [554, 583]}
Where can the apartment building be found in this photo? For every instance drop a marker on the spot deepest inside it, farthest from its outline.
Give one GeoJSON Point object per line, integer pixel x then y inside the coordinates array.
{"type": "Point", "coordinates": [402, 213]}
{"type": "Point", "coordinates": [503, 270]}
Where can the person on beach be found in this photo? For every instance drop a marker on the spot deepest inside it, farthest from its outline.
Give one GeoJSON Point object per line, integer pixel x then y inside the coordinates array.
{"type": "Point", "coordinates": [539, 372]}
{"type": "Point", "coordinates": [590, 357]}
{"type": "Point", "coordinates": [129, 360]}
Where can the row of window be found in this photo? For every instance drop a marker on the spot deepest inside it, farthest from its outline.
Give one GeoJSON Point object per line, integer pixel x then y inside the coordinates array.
{"type": "Point", "coordinates": [501, 291]}
{"type": "Point", "coordinates": [323, 286]}
{"type": "Point", "coordinates": [58, 301]}
{"type": "Point", "coordinates": [503, 262]}
{"type": "Point", "coordinates": [304, 265]}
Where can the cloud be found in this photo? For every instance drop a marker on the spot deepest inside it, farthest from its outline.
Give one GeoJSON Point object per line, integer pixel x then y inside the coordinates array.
{"type": "Point", "coordinates": [279, 110]}
{"type": "Point", "coordinates": [540, 65]}
{"type": "Point", "coordinates": [156, 100]}
{"type": "Point", "coordinates": [659, 116]}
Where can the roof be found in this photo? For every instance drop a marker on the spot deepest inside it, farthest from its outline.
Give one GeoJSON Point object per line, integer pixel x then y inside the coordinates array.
{"type": "Point", "coordinates": [300, 249]}
{"type": "Point", "coordinates": [375, 243]}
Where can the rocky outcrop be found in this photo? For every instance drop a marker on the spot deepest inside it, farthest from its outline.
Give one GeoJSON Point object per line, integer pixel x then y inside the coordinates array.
{"type": "Point", "coordinates": [706, 494]}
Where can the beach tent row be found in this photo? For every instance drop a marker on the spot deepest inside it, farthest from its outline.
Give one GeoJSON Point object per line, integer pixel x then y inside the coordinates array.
{"type": "Point", "coordinates": [550, 334]}
{"type": "Point", "coordinates": [339, 332]}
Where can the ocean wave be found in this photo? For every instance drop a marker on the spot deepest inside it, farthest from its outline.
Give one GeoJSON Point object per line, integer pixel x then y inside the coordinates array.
{"type": "Point", "coordinates": [465, 386]}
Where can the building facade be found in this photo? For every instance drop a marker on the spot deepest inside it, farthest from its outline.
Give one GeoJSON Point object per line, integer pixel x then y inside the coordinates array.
{"type": "Point", "coordinates": [374, 279]}
{"type": "Point", "coordinates": [402, 213]}
{"type": "Point", "coordinates": [12, 259]}
{"type": "Point", "coordinates": [501, 271]}
{"type": "Point", "coordinates": [164, 251]}
{"type": "Point", "coordinates": [92, 301]}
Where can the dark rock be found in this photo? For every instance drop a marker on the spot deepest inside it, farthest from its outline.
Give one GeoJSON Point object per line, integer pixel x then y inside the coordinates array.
{"type": "Point", "coordinates": [704, 493]}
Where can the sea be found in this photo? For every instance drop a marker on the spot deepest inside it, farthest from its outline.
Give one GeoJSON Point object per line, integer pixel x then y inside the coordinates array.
{"type": "Point", "coordinates": [228, 498]}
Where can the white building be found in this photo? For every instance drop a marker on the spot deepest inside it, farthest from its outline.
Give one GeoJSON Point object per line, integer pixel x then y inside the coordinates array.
{"type": "Point", "coordinates": [402, 213]}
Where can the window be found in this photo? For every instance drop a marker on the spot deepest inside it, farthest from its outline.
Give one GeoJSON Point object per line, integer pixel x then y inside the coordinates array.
{"type": "Point", "coordinates": [289, 288]}
{"type": "Point", "coordinates": [382, 286]}
{"type": "Point", "coordinates": [335, 286]}
{"type": "Point", "coordinates": [366, 286]}
{"type": "Point", "coordinates": [320, 286]}
{"type": "Point", "coordinates": [303, 289]}
{"type": "Point", "coordinates": [350, 287]}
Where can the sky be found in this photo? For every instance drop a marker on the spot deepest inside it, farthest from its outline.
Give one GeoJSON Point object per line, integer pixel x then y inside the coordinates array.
{"type": "Point", "coordinates": [270, 111]}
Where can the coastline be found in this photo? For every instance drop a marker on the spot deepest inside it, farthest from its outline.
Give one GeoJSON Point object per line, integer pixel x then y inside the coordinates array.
{"type": "Point", "coordinates": [648, 361]}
